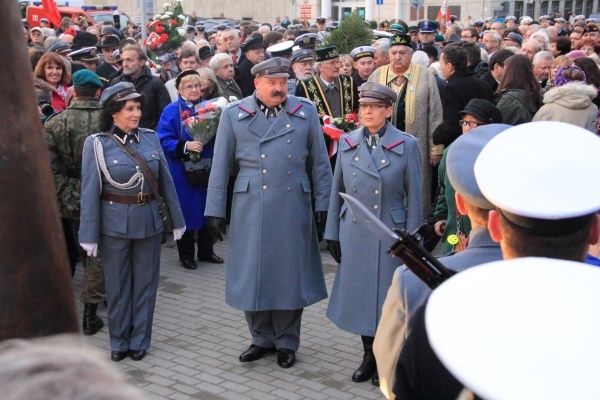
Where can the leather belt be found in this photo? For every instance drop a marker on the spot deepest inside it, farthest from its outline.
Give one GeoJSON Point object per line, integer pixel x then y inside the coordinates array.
{"type": "Point", "coordinates": [139, 199]}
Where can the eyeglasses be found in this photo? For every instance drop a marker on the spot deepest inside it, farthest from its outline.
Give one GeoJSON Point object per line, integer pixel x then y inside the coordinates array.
{"type": "Point", "coordinates": [192, 87]}
{"type": "Point", "coordinates": [472, 124]}
{"type": "Point", "coordinates": [372, 106]}
{"type": "Point", "coordinates": [466, 37]}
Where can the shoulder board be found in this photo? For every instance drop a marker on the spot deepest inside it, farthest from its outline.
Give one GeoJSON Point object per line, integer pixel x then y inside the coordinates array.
{"type": "Point", "coordinates": [234, 104]}
{"type": "Point", "coordinates": [146, 130]}
{"type": "Point", "coordinates": [396, 143]}
{"type": "Point", "coordinates": [103, 79]}
{"type": "Point", "coordinates": [349, 141]}
{"type": "Point", "coordinates": [304, 100]}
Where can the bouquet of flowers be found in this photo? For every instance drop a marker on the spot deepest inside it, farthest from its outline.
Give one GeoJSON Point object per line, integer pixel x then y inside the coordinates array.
{"type": "Point", "coordinates": [166, 32]}
{"type": "Point", "coordinates": [336, 127]}
{"type": "Point", "coordinates": [203, 126]}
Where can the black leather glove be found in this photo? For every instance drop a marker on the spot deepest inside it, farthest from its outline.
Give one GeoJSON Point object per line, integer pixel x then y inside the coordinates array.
{"type": "Point", "coordinates": [335, 250]}
{"type": "Point", "coordinates": [320, 221]}
{"type": "Point", "coordinates": [217, 227]}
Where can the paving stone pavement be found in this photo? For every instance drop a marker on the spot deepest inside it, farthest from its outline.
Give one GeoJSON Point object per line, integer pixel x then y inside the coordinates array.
{"type": "Point", "coordinates": [197, 339]}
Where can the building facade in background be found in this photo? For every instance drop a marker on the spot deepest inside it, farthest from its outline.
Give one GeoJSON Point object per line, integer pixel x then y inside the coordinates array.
{"type": "Point", "coordinates": [270, 10]}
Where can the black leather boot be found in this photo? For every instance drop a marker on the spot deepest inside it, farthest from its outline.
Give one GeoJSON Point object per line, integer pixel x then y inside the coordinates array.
{"type": "Point", "coordinates": [91, 322]}
{"type": "Point", "coordinates": [368, 368]}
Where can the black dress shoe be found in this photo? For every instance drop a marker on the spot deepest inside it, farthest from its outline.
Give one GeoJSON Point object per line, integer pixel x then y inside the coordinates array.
{"type": "Point", "coordinates": [254, 353]}
{"type": "Point", "coordinates": [286, 358]}
{"type": "Point", "coordinates": [366, 369]}
{"type": "Point", "coordinates": [375, 379]}
{"type": "Point", "coordinates": [137, 355]}
{"type": "Point", "coordinates": [118, 355]}
{"type": "Point", "coordinates": [212, 258]}
{"type": "Point", "coordinates": [188, 264]}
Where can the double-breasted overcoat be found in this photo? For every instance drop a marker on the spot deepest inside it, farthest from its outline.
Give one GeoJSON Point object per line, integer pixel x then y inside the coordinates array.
{"type": "Point", "coordinates": [387, 182]}
{"type": "Point", "coordinates": [273, 258]}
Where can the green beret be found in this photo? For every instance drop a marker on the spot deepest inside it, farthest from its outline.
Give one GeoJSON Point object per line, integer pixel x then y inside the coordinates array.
{"type": "Point", "coordinates": [86, 78]}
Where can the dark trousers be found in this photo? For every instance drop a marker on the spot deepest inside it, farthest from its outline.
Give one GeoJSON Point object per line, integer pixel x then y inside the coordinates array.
{"type": "Point", "coordinates": [275, 328]}
{"type": "Point", "coordinates": [185, 245]}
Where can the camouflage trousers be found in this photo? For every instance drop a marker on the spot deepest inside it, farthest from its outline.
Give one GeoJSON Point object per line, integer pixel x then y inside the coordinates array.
{"type": "Point", "coordinates": [92, 284]}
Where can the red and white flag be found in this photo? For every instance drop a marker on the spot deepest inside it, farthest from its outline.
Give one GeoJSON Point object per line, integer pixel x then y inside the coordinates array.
{"type": "Point", "coordinates": [51, 12]}
{"type": "Point", "coordinates": [443, 16]}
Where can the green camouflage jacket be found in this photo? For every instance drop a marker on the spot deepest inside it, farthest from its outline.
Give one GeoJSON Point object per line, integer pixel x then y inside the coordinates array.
{"type": "Point", "coordinates": [65, 134]}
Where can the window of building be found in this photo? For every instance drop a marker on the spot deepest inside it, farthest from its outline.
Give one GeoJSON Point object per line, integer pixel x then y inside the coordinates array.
{"type": "Point", "coordinates": [543, 8]}
{"type": "Point", "coordinates": [518, 12]}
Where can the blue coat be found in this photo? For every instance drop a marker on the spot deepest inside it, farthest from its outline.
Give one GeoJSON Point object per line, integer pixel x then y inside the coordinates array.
{"type": "Point", "coordinates": [273, 258]}
{"type": "Point", "coordinates": [128, 221]}
{"type": "Point", "coordinates": [388, 182]}
{"type": "Point", "coordinates": [172, 138]}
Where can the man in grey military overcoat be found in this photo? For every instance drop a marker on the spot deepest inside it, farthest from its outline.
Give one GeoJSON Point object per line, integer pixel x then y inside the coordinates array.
{"type": "Point", "coordinates": [274, 265]}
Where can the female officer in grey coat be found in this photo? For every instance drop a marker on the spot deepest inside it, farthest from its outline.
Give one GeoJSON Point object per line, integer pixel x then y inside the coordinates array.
{"type": "Point", "coordinates": [119, 215]}
{"type": "Point", "coordinates": [379, 166]}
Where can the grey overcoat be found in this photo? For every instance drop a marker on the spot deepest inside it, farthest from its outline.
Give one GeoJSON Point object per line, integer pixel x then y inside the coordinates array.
{"type": "Point", "coordinates": [388, 183]}
{"type": "Point", "coordinates": [273, 258]}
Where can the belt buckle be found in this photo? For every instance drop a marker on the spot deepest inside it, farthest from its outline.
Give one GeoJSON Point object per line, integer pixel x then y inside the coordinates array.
{"type": "Point", "coordinates": [140, 199]}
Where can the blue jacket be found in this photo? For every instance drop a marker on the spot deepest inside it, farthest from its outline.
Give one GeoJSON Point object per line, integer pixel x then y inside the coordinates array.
{"type": "Point", "coordinates": [172, 139]}
{"type": "Point", "coordinates": [129, 221]}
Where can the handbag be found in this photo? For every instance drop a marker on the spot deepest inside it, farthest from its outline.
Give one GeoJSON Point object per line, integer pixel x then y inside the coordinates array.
{"type": "Point", "coordinates": [196, 172]}
{"type": "Point", "coordinates": [163, 208]}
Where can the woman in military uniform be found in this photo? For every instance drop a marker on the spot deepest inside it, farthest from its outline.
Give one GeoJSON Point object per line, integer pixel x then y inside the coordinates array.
{"type": "Point", "coordinates": [120, 217]}
{"type": "Point", "coordinates": [379, 165]}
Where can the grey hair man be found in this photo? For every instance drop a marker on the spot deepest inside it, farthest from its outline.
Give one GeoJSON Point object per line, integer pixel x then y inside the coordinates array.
{"type": "Point", "coordinates": [223, 67]}
{"type": "Point", "coordinates": [382, 56]}
{"type": "Point", "coordinates": [542, 63]}
{"type": "Point", "coordinates": [530, 48]}
{"type": "Point", "coordinates": [492, 40]}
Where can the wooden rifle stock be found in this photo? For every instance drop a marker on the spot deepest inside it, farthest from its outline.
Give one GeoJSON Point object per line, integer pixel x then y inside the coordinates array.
{"type": "Point", "coordinates": [420, 261]}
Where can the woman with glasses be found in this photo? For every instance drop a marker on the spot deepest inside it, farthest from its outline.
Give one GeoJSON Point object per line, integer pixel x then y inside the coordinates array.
{"type": "Point", "coordinates": [477, 112]}
{"type": "Point", "coordinates": [380, 166]}
{"type": "Point", "coordinates": [178, 144]}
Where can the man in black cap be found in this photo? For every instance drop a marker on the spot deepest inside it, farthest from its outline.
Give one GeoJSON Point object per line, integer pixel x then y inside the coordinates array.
{"type": "Point", "coordinates": [333, 94]}
{"type": "Point", "coordinates": [461, 88]}
{"type": "Point", "coordinates": [206, 54]}
{"type": "Point", "coordinates": [254, 52]}
{"type": "Point", "coordinates": [65, 134]}
{"type": "Point", "coordinates": [108, 44]}
{"type": "Point", "coordinates": [275, 139]}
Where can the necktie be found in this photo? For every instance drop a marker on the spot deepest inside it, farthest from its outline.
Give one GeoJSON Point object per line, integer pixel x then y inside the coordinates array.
{"type": "Point", "coordinates": [235, 58]}
{"type": "Point", "coordinates": [373, 140]}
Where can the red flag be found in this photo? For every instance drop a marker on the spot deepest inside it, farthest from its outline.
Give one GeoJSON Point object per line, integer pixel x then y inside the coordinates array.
{"type": "Point", "coordinates": [51, 12]}
{"type": "Point", "coordinates": [443, 15]}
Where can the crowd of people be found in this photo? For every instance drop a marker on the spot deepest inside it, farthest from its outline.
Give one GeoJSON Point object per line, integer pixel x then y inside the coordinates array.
{"type": "Point", "coordinates": [428, 99]}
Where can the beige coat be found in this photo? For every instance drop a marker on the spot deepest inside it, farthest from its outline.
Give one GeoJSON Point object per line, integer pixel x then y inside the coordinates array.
{"type": "Point", "coordinates": [427, 116]}
{"type": "Point", "coordinates": [570, 103]}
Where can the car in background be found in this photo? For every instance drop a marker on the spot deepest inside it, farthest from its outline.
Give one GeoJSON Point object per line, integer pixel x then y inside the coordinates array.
{"type": "Point", "coordinates": [94, 14]}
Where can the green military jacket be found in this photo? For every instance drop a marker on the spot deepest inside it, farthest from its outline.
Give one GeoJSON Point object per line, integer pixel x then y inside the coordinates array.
{"type": "Point", "coordinates": [65, 135]}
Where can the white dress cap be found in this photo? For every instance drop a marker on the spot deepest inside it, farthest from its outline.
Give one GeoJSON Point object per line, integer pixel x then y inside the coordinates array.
{"type": "Point", "coordinates": [545, 170]}
{"type": "Point", "coordinates": [527, 328]}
